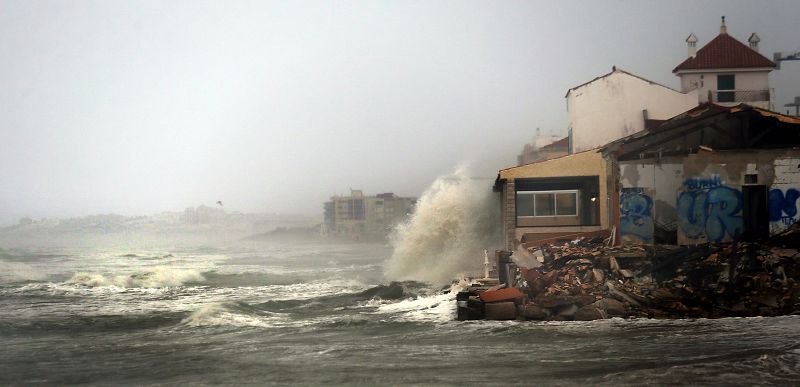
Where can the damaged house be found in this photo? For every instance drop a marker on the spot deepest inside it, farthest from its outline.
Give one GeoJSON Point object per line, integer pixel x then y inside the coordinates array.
{"type": "Point", "coordinates": [711, 174]}
{"type": "Point", "coordinates": [688, 167]}
{"type": "Point", "coordinates": [575, 193]}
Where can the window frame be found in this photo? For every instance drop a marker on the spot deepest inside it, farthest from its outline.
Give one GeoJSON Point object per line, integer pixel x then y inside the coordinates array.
{"type": "Point", "coordinates": [575, 192]}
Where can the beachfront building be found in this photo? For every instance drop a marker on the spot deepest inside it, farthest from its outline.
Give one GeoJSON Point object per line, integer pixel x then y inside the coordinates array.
{"type": "Point", "coordinates": [711, 174]}
{"type": "Point", "coordinates": [619, 104]}
{"type": "Point", "coordinates": [365, 217]}
{"type": "Point", "coordinates": [726, 71]}
{"type": "Point", "coordinates": [543, 147]}
{"type": "Point", "coordinates": [555, 198]}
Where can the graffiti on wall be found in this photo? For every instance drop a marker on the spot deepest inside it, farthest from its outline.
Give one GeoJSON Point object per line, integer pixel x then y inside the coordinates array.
{"type": "Point", "coordinates": [782, 207]}
{"type": "Point", "coordinates": [708, 211]}
{"type": "Point", "coordinates": [636, 215]}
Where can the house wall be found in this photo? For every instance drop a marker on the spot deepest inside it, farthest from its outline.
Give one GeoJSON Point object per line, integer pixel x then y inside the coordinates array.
{"type": "Point", "coordinates": [610, 108]}
{"type": "Point", "coordinates": [589, 163]}
{"type": "Point", "coordinates": [746, 79]}
{"type": "Point", "coordinates": [701, 194]}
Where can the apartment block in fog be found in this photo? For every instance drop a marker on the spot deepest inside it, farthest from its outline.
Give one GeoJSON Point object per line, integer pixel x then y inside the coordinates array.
{"type": "Point", "coordinates": [361, 217]}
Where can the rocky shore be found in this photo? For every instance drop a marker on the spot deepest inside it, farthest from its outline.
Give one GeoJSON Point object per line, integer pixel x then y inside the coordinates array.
{"type": "Point", "coordinates": [587, 280]}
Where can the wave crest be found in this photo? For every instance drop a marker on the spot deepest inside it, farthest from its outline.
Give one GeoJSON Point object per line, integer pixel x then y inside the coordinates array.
{"type": "Point", "coordinates": [154, 277]}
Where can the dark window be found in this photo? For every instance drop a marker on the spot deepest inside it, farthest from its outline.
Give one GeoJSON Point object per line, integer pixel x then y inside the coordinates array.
{"type": "Point", "coordinates": [726, 82]}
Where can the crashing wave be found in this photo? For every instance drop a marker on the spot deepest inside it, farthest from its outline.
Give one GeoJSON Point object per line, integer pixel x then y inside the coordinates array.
{"type": "Point", "coordinates": [453, 222]}
{"type": "Point", "coordinates": [154, 277]}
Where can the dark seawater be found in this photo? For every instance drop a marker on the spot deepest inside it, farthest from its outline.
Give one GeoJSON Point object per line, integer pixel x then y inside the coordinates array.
{"type": "Point", "coordinates": [323, 314]}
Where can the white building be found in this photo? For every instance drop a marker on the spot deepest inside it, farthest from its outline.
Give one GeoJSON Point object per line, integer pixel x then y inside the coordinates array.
{"type": "Point", "coordinates": [727, 72]}
{"type": "Point", "coordinates": [619, 104]}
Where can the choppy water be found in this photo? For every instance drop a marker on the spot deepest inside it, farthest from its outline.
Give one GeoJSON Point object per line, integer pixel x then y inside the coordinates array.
{"type": "Point", "coordinates": [322, 314]}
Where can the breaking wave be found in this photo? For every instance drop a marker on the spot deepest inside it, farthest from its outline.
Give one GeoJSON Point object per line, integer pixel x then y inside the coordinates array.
{"type": "Point", "coordinates": [234, 314]}
{"type": "Point", "coordinates": [454, 221]}
{"type": "Point", "coordinates": [154, 277]}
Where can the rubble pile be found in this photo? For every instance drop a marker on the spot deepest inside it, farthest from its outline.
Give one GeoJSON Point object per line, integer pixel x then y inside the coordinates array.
{"type": "Point", "coordinates": [586, 280]}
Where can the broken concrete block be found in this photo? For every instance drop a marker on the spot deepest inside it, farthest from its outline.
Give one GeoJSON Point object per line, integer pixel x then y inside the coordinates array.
{"type": "Point", "coordinates": [589, 313]}
{"type": "Point", "coordinates": [626, 273]}
{"type": "Point", "coordinates": [501, 311]}
{"type": "Point", "coordinates": [554, 301]}
{"type": "Point", "coordinates": [533, 312]}
{"type": "Point", "coordinates": [568, 311]}
{"type": "Point", "coordinates": [508, 294]}
{"type": "Point", "coordinates": [612, 264]}
{"type": "Point", "coordinates": [599, 277]}
{"type": "Point", "coordinates": [613, 307]}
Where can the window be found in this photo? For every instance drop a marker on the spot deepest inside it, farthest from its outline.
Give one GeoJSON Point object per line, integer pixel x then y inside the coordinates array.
{"type": "Point", "coordinates": [547, 203]}
{"type": "Point", "coordinates": [726, 82]}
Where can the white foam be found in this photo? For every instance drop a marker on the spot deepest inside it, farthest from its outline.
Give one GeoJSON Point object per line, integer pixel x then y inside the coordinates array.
{"type": "Point", "coordinates": [439, 307]}
{"type": "Point", "coordinates": [453, 222]}
{"type": "Point", "coordinates": [223, 315]}
{"type": "Point", "coordinates": [153, 277]}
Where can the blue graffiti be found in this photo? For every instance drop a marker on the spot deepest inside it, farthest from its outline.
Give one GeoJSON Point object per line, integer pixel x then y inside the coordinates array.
{"type": "Point", "coordinates": [783, 208]}
{"type": "Point", "coordinates": [696, 183]}
{"type": "Point", "coordinates": [713, 213]}
{"type": "Point", "coordinates": [636, 215]}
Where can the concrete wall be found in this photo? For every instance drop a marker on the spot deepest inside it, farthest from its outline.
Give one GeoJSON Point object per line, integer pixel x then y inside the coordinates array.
{"type": "Point", "coordinates": [701, 194]}
{"type": "Point", "coordinates": [610, 108]}
{"type": "Point", "coordinates": [746, 79]}
{"type": "Point", "coordinates": [590, 163]}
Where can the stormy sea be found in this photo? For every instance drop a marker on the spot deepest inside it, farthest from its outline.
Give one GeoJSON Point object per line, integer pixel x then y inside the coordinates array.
{"type": "Point", "coordinates": [313, 311]}
{"type": "Point", "coordinates": [320, 314]}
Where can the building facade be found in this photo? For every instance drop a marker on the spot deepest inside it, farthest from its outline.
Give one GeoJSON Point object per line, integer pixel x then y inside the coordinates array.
{"type": "Point", "coordinates": [365, 217]}
{"type": "Point", "coordinates": [727, 72]}
{"type": "Point", "coordinates": [713, 174]}
{"type": "Point", "coordinates": [555, 198]}
{"type": "Point", "coordinates": [619, 104]}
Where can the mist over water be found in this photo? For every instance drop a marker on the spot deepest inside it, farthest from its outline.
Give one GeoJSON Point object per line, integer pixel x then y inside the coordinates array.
{"type": "Point", "coordinates": [456, 218]}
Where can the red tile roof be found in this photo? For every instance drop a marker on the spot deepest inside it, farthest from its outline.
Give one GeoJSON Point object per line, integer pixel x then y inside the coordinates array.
{"type": "Point", "coordinates": [562, 143]}
{"type": "Point", "coordinates": [724, 52]}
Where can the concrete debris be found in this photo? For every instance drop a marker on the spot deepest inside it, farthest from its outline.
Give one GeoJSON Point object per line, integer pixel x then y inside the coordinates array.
{"type": "Point", "coordinates": [501, 311]}
{"type": "Point", "coordinates": [587, 280]}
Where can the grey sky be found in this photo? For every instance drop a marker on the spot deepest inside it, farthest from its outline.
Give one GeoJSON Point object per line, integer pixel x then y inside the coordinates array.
{"type": "Point", "coordinates": [141, 107]}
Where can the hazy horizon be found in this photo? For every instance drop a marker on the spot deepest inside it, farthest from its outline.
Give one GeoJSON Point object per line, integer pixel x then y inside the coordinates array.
{"type": "Point", "coordinates": [136, 108]}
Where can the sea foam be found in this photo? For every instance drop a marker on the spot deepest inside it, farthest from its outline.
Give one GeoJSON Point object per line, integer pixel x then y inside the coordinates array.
{"type": "Point", "coordinates": [153, 277]}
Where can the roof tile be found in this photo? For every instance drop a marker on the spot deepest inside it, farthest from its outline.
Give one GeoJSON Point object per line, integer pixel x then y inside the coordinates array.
{"type": "Point", "coordinates": [724, 52]}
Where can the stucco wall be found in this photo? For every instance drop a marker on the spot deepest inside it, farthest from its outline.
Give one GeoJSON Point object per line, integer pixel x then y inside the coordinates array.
{"type": "Point", "coordinates": [611, 107]}
{"type": "Point", "coordinates": [701, 194]}
{"type": "Point", "coordinates": [746, 80]}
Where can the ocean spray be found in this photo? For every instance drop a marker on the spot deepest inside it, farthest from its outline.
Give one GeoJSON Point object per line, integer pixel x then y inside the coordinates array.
{"type": "Point", "coordinates": [456, 218]}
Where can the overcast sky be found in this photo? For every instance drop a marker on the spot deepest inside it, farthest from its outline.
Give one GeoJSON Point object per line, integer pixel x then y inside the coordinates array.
{"type": "Point", "coordinates": [138, 107]}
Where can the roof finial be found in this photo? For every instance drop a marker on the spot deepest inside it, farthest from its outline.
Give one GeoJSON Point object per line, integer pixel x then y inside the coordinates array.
{"type": "Point", "coordinates": [722, 28]}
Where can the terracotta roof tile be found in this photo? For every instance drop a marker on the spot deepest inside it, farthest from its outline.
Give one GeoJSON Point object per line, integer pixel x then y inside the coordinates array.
{"type": "Point", "coordinates": [724, 52]}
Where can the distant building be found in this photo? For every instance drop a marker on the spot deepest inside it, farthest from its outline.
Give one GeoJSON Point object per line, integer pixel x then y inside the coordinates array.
{"type": "Point", "coordinates": [365, 217]}
{"type": "Point", "coordinates": [727, 72]}
{"type": "Point", "coordinates": [619, 104]}
{"type": "Point", "coordinates": [543, 147]}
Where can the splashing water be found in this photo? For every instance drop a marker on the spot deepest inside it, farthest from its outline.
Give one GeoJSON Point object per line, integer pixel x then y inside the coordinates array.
{"type": "Point", "coordinates": [454, 221]}
{"type": "Point", "coordinates": [154, 277]}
